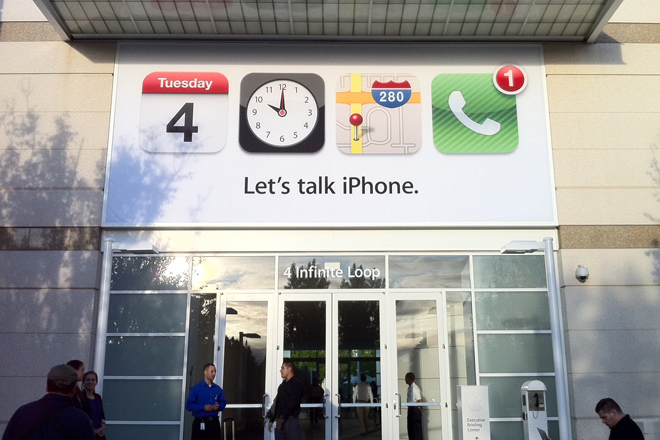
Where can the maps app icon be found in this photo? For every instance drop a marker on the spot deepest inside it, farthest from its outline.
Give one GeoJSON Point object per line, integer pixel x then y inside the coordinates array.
{"type": "Point", "coordinates": [391, 94]}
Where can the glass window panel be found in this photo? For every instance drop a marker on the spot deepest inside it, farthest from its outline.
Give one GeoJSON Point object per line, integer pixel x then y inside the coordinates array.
{"type": "Point", "coordinates": [143, 432]}
{"type": "Point", "coordinates": [531, 353]}
{"type": "Point", "coordinates": [358, 354]}
{"type": "Point", "coordinates": [509, 271]}
{"type": "Point", "coordinates": [420, 271]}
{"type": "Point", "coordinates": [245, 351]}
{"type": "Point", "coordinates": [553, 429]}
{"type": "Point", "coordinates": [219, 273]}
{"type": "Point", "coordinates": [150, 313]}
{"type": "Point", "coordinates": [201, 343]}
{"type": "Point", "coordinates": [201, 337]}
{"type": "Point", "coordinates": [304, 325]}
{"type": "Point", "coordinates": [507, 430]}
{"type": "Point", "coordinates": [304, 343]}
{"type": "Point", "coordinates": [417, 352]}
{"type": "Point", "coordinates": [460, 337]}
{"type": "Point", "coordinates": [334, 272]}
{"type": "Point", "coordinates": [149, 273]}
{"type": "Point", "coordinates": [142, 400]}
{"type": "Point", "coordinates": [248, 423]}
{"type": "Point", "coordinates": [144, 356]}
{"type": "Point", "coordinates": [504, 395]}
{"type": "Point", "coordinates": [513, 311]}
{"type": "Point", "coordinates": [359, 325]}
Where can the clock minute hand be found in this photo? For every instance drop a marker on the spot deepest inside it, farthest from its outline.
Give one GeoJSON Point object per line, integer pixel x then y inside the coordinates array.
{"type": "Point", "coordinates": [282, 109]}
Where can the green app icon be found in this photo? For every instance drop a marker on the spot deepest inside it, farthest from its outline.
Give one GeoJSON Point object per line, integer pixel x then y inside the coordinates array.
{"type": "Point", "coordinates": [471, 116]}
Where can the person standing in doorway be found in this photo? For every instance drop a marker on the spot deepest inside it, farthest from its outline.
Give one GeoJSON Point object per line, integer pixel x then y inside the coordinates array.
{"type": "Point", "coordinates": [622, 427]}
{"type": "Point", "coordinates": [287, 405]}
{"type": "Point", "coordinates": [205, 401]}
{"type": "Point", "coordinates": [362, 394]}
{"type": "Point", "coordinates": [414, 412]}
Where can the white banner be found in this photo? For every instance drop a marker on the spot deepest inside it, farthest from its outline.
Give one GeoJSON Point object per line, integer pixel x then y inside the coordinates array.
{"type": "Point", "coordinates": [329, 135]}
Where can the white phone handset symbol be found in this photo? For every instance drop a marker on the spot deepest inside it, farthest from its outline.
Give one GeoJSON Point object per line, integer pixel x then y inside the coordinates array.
{"type": "Point", "coordinates": [456, 104]}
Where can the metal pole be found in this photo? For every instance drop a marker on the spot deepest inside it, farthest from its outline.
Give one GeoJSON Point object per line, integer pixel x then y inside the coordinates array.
{"type": "Point", "coordinates": [558, 347]}
{"type": "Point", "coordinates": [102, 323]}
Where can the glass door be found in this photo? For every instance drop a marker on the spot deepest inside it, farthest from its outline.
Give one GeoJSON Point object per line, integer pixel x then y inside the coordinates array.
{"type": "Point", "coordinates": [336, 341]}
{"type": "Point", "coordinates": [245, 368]}
{"type": "Point", "coordinates": [419, 357]}
{"type": "Point", "coordinates": [358, 344]}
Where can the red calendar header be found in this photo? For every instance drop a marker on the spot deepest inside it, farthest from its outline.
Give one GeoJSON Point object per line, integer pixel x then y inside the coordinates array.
{"type": "Point", "coordinates": [186, 82]}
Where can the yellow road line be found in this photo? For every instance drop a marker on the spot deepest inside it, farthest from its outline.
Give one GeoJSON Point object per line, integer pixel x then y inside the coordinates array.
{"type": "Point", "coordinates": [356, 107]}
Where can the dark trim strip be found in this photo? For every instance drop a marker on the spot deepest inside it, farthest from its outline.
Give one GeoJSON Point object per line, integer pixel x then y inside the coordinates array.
{"type": "Point", "coordinates": [50, 239]}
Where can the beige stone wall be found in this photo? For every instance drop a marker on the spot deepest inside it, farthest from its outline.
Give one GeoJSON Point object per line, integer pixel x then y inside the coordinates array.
{"type": "Point", "coordinates": [55, 101]}
{"type": "Point", "coordinates": [604, 103]}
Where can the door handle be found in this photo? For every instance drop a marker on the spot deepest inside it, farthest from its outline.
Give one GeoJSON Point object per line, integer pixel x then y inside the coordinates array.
{"type": "Point", "coordinates": [263, 405]}
{"type": "Point", "coordinates": [397, 404]}
{"type": "Point", "coordinates": [338, 406]}
{"type": "Point", "coordinates": [325, 406]}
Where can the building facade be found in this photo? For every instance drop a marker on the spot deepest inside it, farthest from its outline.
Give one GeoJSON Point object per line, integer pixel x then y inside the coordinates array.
{"type": "Point", "coordinates": [342, 295]}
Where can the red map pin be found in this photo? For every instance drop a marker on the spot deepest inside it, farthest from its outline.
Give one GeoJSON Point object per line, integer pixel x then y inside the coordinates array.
{"type": "Point", "coordinates": [356, 121]}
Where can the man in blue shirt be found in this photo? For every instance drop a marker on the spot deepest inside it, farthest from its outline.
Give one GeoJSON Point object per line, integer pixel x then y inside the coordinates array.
{"type": "Point", "coordinates": [205, 401]}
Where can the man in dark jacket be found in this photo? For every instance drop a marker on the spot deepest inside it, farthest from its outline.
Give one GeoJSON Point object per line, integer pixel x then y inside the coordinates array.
{"type": "Point", "coordinates": [287, 405]}
{"type": "Point", "coordinates": [53, 417]}
{"type": "Point", "coordinates": [622, 427]}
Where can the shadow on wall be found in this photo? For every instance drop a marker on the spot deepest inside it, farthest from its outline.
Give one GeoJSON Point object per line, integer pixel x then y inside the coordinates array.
{"type": "Point", "coordinates": [51, 186]}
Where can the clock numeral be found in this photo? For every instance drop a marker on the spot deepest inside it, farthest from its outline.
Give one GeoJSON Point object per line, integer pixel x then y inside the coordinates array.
{"type": "Point", "coordinates": [310, 112]}
{"type": "Point", "coordinates": [295, 135]}
{"type": "Point", "coordinates": [282, 138]}
{"type": "Point", "coordinates": [254, 111]}
{"type": "Point", "coordinates": [257, 125]}
{"type": "Point", "coordinates": [187, 128]}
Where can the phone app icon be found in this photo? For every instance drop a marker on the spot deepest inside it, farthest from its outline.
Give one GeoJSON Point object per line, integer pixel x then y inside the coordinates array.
{"type": "Point", "coordinates": [470, 115]}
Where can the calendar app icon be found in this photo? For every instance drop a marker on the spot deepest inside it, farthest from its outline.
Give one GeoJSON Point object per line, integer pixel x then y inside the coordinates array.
{"type": "Point", "coordinates": [184, 112]}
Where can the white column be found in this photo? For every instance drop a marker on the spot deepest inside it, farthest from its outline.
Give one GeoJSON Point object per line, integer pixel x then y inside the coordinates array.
{"type": "Point", "coordinates": [102, 320]}
{"type": "Point", "coordinates": [558, 347]}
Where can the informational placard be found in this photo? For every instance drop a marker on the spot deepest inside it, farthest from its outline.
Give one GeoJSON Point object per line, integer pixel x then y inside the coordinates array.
{"type": "Point", "coordinates": [289, 135]}
{"type": "Point", "coordinates": [473, 412]}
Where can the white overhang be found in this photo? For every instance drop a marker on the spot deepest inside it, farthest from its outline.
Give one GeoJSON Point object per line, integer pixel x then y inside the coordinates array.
{"type": "Point", "coordinates": [328, 20]}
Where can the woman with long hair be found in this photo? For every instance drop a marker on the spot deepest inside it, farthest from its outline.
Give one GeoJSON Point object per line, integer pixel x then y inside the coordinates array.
{"type": "Point", "coordinates": [92, 403]}
{"type": "Point", "coordinates": [79, 366]}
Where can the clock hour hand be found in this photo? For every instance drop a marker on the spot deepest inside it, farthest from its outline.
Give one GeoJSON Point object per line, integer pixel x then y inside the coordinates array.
{"type": "Point", "coordinates": [281, 110]}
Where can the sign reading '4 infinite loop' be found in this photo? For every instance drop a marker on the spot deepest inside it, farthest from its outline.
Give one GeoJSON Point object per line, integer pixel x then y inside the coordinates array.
{"type": "Point", "coordinates": [377, 113]}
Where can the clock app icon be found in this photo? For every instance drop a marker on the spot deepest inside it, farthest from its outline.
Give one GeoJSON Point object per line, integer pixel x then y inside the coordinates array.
{"type": "Point", "coordinates": [282, 113]}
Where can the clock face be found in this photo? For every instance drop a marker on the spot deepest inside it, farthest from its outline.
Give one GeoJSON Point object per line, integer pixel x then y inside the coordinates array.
{"type": "Point", "coordinates": [281, 113]}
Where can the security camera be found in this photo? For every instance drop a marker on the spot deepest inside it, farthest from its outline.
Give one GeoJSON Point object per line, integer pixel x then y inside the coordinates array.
{"type": "Point", "coordinates": [582, 273]}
